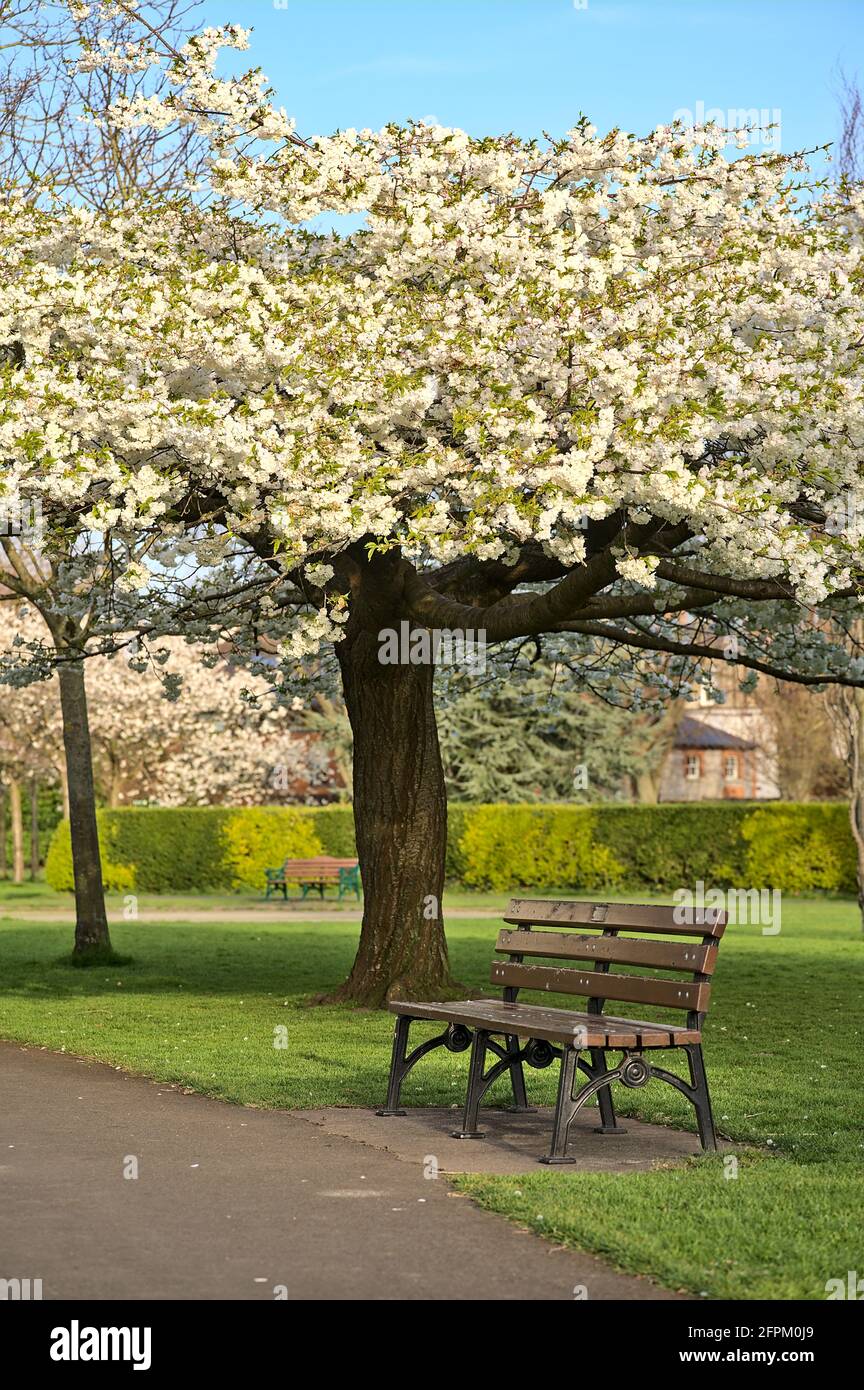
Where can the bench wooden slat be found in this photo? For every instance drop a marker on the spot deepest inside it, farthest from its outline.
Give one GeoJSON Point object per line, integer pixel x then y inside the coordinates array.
{"type": "Point", "coordinates": [621, 916]}
{"type": "Point", "coordinates": [638, 989]}
{"type": "Point", "coordinates": [618, 950]}
{"type": "Point", "coordinates": [319, 870]}
{"type": "Point", "coordinates": [322, 865]}
{"type": "Point", "coordinates": [552, 1025]}
{"type": "Point", "coordinates": [296, 871]}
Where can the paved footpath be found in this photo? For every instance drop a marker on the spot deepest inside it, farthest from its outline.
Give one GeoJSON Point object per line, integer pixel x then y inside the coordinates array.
{"type": "Point", "coordinates": [232, 1202]}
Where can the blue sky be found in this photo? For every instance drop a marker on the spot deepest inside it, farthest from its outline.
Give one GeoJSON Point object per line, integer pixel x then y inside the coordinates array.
{"type": "Point", "coordinates": [533, 65]}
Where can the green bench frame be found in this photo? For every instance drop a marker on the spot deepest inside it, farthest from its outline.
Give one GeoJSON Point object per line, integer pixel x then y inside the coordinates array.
{"type": "Point", "coordinates": [347, 881]}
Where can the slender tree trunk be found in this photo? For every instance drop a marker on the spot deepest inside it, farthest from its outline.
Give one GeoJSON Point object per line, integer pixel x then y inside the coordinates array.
{"type": "Point", "coordinates": [114, 783]}
{"type": "Point", "coordinates": [64, 790]}
{"type": "Point", "coordinates": [400, 815]}
{"type": "Point", "coordinates": [17, 818]}
{"type": "Point", "coordinates": [34, 827]}
{"type": "Point", "coordinates": [4, 862]}
{"type": "Point", "coordinates": [856, 798]}
{"type": "Point", "coordinates": [647, 787]}
{"type": "Point", "coordinates": [91, 922]}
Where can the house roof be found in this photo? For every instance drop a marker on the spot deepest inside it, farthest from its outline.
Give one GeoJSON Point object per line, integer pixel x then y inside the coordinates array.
{"type": "Point", "coordinates": [692, 733]}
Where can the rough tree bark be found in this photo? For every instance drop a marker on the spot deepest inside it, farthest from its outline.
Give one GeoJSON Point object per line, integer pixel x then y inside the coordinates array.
{"type": "Point", "coordinates": [400, 801]}
{"type": "Point", "coordinates": [91, 922]}
{"type": "Point", "coordinates": [400, 816]}
{"type": "Point", "coordinates": [4, 864]}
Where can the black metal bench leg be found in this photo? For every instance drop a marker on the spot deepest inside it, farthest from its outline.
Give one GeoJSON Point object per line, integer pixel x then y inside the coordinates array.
{"type": "Point", "coordinates": [398, 1068]}
{"type": "Point", "coordinates": [564, 1108]}
{"type": "Point", "coordinates": [469, 1128]}
{"type": "Point", "coordinates": [608, 1123]}
{"type": "Point", "coordinates": [520, 1104]}
{"type": "Point", "coordinates": [701, 1098]}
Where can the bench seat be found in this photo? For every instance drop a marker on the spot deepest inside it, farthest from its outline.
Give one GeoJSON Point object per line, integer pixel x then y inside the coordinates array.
{"type": "Point", "coordinates": [553, 1025]}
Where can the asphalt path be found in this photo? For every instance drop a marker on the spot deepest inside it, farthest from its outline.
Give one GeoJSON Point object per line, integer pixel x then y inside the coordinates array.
{"type": "Point", "coordinates": [231, 1202]}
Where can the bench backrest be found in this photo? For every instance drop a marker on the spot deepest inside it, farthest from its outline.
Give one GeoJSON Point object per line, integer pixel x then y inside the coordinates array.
{"type": "Point", "coordinates": [536, 933]}
{"type": "Point", "coordinates": [325, 866]}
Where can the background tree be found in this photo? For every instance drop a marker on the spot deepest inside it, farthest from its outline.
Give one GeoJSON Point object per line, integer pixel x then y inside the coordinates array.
{"type": "Point", "coordinates": [191, 729]}
{"type": "Point", "coordinates": [30, 735]}
{"type": "Point", "coordinates": [543, 736]}
{"type": "Point", "coordinates": [326, 719]}
{"type": "Point", "coordinates": [66, 579]}
{"type": "Point", "coordinates": [802, 742]}
{"type": "Point", "coordinates": [49, 143]}
{"type": "Point", "coordinates": [44, 101]}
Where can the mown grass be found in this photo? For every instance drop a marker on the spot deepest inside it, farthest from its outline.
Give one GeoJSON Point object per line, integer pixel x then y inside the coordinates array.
{"type": "Point", "coordinates": [204, 1005]}
{"type": "Point", "coordinates": [33, 896]}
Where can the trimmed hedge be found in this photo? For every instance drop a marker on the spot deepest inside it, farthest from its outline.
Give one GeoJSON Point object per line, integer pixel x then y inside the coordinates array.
{"type": "Point", "coordinates": [531, 846]}
{"type": "Point", "coordinates": [799, 848]}
{"type": "Point", "coordinates": [796, 848]}
{"type": "Point", "coordinates": [156, 849]}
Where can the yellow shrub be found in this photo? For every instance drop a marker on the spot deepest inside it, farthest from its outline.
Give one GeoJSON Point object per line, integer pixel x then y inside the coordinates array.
{"type": "Point", "coordinates": [510, 846]}
{"type": "Point", "coordinates": [117, 878]}
{"type": "Point", "coordinates": [258, 838]}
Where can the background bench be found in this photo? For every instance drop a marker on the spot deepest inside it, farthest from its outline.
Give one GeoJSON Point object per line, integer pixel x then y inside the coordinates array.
{"type": "Point", "coordinates": [555, 1033]}
{"type": "Point", "coordinates": [319, 873]}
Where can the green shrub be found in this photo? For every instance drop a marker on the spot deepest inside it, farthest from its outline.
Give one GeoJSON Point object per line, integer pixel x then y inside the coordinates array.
{"type": "Point", "coordinates": [177, 849]}
{"type": "Point", "coordinates": [173, 848]}
{"type": "Point", "coordinates": [800, 848]}
{"type": "Point", "coordinates": [334, 826]}
{"type": "Point", "coordinates": [668, 846]}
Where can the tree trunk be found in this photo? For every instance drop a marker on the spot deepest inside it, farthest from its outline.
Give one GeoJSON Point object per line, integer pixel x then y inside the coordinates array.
{"type": "Point", "coordinates": [64, 790]}
{"type": "Point", "coordinates": [856, 798]}
{"type": "Point", "coordinates": [4, 862]}
{"type": "Point", "coordinates": [91, 922]}
{"type": "Point", "coordinates": [647, 787]}
{"type": "Point", "coordinates": [17, 818]}
{"type": "Point", "coordinates": [115, 778]}
{"type": "Point", "coordinates": [34, 827]}
{"type": "Point", "coordinates": [400, 815]}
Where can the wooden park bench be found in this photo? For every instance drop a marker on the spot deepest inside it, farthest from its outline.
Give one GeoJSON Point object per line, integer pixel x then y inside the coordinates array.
{"type": "Point", "coordinates": [318, 873]}
{"type": "Point", "coordinates": [552, 1033]}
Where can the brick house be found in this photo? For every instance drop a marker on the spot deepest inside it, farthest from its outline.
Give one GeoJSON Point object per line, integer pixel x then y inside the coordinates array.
{"type": "Point", "coordinates": [721, 751]}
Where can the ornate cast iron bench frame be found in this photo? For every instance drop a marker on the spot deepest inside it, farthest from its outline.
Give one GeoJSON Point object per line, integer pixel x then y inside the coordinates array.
{"type": "Point", "coordinates": [558, 1034]}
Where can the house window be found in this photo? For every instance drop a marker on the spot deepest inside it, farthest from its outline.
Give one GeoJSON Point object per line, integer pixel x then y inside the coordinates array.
{"type": "Point", "coordinates": [692, 767]}
{"type": "Point", "coordinates": [730, 766]}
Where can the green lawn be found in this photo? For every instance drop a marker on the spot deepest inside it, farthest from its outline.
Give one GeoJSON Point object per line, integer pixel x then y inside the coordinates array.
{"type": "Point", "coordinates": [203, 1005]}
{"type": "Point", "coordinates": [37, 896]}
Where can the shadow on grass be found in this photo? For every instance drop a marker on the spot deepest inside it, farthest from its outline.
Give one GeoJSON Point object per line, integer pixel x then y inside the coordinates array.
{"type": "Point", "coordinates": [206, 959]}
{"type": "Point", "coordinates": [94, 959]}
